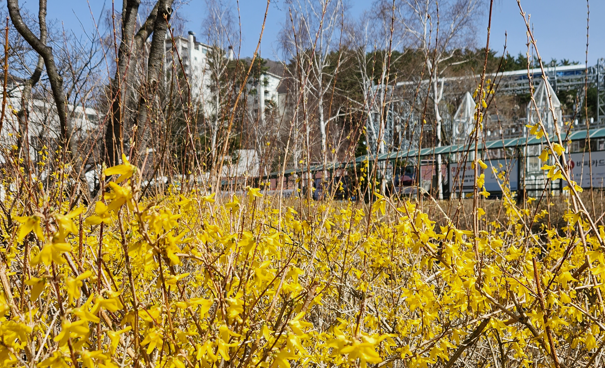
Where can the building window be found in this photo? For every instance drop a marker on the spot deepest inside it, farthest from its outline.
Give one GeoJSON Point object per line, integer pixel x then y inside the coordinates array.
{"type": "Point", "coordinates": [578, 146]}
{"type": "Point", "coordinates": [534, 150]}
{"type": "Point", "coordinates": [534, 164]}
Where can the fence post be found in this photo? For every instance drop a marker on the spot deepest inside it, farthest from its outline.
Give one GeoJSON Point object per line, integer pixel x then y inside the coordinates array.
{"type": "Point", "coordinates": [449, 184]}
{"type": "Point", "coordinates": [520, 175]}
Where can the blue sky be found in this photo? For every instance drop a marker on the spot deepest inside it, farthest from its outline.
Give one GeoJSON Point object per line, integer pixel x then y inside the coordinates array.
{"type": "Point", "coordinates": [559, 25]}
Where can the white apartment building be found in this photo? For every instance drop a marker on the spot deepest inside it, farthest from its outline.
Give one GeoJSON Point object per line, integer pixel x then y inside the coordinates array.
{"type": "Point", "coordinates": [43, 120]}
{"type": "Point", "coordinates": [194, 56]}
{"type": "Point", "coordinates": [266, 93]}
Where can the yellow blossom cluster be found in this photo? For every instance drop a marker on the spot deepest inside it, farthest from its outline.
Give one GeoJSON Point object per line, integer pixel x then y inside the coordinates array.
{"type": "Point", "coordinates": [229, 280]}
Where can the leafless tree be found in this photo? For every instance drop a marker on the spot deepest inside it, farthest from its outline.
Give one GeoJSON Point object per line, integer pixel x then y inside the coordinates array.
{"type": "Point", "coordinates": [45, 52]}
{"type": "Point", "coordinates": [46, 55]}
{"type": "Point", "coordinates": [29, 84]}
{"type": "Point", "coordinates": [375, 38]}
{"type": "Point", "coordinates": [149, 96]}
{"type": "Point", "coordinates": [312, 37]}
{"type": "Point", "coordinates": [219, 29]}
{"type": "Point", "coordinates": [131, 42]}
{"type": "Point", "coordinates": [437, 28]}
{"type": "Point", "coordinates": [77, 62]}
{"type": "Point", "coordinates": [219, 24]}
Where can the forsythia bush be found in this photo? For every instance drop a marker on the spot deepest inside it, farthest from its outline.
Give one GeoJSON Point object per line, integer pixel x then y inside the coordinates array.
{"type": "Point", "coordinates": [185, 281]}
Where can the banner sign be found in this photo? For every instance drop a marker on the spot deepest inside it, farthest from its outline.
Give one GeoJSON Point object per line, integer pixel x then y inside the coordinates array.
{"type": "Point", "coordinates": [465, 176]}
{"type": "Point", "coordinates": [581, 165]}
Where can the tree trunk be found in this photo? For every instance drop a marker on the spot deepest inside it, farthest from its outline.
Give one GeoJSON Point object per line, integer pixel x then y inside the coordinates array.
{"type": "Point", "coordinates": [324, 139]}
{"type": "Point", "coordinates": [23, 114]}
{"type": "Point", "coordinates": [55, 80]}
{"type": "Point", "coordinates": [113, 132]}
{"type": "Point", "coordinates": [122, 81]}
{"type": "Point", "coordinates": [154, 65]}
{"type": "Point", "coordinates": [214, 133]}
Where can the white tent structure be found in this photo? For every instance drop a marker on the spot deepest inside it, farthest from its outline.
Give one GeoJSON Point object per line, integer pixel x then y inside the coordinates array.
{"type": "Point", "coordinates": [464, 120]}
{"type": "Point", "coordinates": [541, 110]}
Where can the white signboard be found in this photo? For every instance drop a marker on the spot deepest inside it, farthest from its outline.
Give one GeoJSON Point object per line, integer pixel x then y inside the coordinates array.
{"type": "Point", "coordinates": [465, 176]}
{"type": "Point", "coordinates": [581, 163]}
